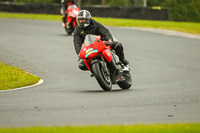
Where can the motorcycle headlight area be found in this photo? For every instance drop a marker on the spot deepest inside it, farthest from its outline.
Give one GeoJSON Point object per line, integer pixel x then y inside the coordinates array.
{"type": "Point", "coordinates": [90, 51]}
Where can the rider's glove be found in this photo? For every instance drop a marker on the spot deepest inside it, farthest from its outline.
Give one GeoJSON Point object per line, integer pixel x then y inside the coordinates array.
{"type": "Point", "coordinates": [108, 43]}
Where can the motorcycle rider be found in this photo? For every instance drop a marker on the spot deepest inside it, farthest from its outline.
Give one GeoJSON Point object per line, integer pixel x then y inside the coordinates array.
{"type": "Point", "coordinates": [86, 25]}
{"type": "Point", "coordinates": [64, 6]}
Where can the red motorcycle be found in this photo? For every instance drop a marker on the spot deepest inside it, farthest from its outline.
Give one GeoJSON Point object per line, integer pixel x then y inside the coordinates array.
{"type": "Point", "coordinates": [104, 64]}
{"type": "Point", "coordinates": [72, 11]}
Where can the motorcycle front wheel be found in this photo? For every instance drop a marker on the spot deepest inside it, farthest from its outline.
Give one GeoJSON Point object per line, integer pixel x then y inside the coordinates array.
{"type": "Point", "coordinates": [102, 77]}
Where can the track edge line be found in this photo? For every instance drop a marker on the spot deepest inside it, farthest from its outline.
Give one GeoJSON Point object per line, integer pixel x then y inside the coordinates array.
{"type": "Point", "coordinates": [38, 83]}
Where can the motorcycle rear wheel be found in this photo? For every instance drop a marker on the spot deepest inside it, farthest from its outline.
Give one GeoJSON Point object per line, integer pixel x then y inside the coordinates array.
{"type": "Point", "coordinates": [102, 78]}
{"type": "Point", "coordinates": [68, 31]}
{"type": "Point", "coordinates": [126, 84]}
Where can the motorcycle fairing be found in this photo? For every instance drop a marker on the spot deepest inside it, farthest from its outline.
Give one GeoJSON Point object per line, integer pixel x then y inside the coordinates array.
{"type": "Point", "coordinates": [91, 47]}
{"type": "Point", "coordinates": [107, 54]}
{"type": "Point", "coordinates": [87, 64]}
{"type": "Point", "coordinates": [72, 11]}
{"type": "Point", "coordinates": [90, 52]}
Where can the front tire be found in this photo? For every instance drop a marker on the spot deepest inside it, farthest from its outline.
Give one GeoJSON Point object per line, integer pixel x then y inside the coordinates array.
{"type": "Point", "coordinates": [102, 78]}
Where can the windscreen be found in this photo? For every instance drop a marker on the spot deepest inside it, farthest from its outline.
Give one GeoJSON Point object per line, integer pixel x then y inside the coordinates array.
{"type": "Point", "coordinates": [72, 6]}
{"type": "Point", "coordinates": [89, 39]}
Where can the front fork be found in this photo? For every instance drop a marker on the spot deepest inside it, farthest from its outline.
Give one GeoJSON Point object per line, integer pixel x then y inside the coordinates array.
{"type": "Point", "coordinates": [103, 65]}
{"type": "Point", "coordinates": [113, 66]}
{"type": "Point", "coordinates": [102, 61]}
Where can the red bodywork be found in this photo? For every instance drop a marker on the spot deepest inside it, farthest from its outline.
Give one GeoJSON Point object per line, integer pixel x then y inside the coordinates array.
{"type": "Point", "coordinates": [72, 11]}
{"type": "Point", "coordinates": [96, 49]}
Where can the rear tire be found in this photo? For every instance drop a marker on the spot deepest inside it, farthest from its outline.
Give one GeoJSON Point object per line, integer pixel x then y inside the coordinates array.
{"type": "Point", "coordinates": [126, 84]}
{"type": "Point", "coordinates": [68, 31]}
{"type": "Point", "coordinates": [102, 78]}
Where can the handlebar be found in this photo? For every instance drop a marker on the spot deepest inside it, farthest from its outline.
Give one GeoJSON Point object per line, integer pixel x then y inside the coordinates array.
{"type": "Point", "coordinates": [107, 43]}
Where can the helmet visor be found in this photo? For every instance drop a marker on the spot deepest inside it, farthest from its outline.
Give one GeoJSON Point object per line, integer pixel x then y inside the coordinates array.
{"type": "Point", "coordinates": [83, 22]}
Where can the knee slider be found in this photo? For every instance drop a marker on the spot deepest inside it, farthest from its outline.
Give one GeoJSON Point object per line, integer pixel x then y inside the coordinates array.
{"type": "Point", "coordinates": [117, 46]}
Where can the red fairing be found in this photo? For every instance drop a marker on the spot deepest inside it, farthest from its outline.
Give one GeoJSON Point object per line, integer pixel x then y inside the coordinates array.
{"type": "Point", "coordinates": [68, 4]}
{"type": "Point", "coordinates": [87, 64]}
{"type": "Point", "coordinates": [96, 49]}
{"type": "Point", "coordinates": [98, 46]}
{"type": "Point", "coordinates": [72, 11]}
{"type": "Point", "coordinates": [107, 54]}
{"type": "Point", "coordinates": [83, 51]}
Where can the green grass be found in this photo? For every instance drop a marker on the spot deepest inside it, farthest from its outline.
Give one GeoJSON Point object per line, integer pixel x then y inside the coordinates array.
{"type": "Point", "coordinates": [193, 28]}
{"type": "Point", "coordinates": [187, 27]}
{"type": "Point", "coordinates": [153, 128]}
{"type": "Point", "coordinates": [12, 77]}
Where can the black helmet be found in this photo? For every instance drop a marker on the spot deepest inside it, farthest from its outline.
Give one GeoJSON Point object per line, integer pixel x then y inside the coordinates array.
{"type": "Point", "coordinates": [83, 18]}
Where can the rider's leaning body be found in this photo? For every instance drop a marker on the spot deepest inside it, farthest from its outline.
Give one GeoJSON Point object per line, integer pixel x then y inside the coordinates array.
{"type": "Point", "coordinates": [86, 25]}
{"type": "Point", "coordinates": [94, 28]}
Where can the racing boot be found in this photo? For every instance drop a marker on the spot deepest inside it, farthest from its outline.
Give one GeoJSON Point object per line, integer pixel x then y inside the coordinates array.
{"type": "Point", "coordinates": [124, 61]}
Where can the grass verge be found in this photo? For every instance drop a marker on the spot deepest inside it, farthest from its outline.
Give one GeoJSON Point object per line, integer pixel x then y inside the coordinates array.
{"type": "Point", "coordinates": [153, 128]}
{"type": "Point", "coordinates": [12, 77]}
{"type": "Point", "coordinates": [186, 27]}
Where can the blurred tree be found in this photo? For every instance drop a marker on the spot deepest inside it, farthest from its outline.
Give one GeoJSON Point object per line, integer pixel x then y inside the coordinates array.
{"type": "Point", "coordinates": [103, 2]}
{"type": "Point", "coordinates": [6, 0]}
{"type": "Point", "coordinates": [127, 3]}
{"type": "Point", "coordinates": [184, 10]}
{"type": "Point", "coordinates": [91, 2]}
{"type": "Point", "coordinates": [180, 10]}
{"type": "Point", "coordinates": [35, 1]}
{"type": "Point", "coordinates": [155, 2]}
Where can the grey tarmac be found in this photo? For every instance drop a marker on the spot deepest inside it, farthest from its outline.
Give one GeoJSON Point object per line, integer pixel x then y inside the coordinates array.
{"type": "Point", "coordinates": [165, 72]}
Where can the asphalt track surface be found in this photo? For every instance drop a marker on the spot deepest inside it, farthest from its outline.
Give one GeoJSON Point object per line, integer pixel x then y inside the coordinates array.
{"type": "Point", "coordinates": [165, 72]}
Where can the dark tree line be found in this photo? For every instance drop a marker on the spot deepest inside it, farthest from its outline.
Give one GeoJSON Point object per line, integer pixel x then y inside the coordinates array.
{"type": "Point", "coordinates": [180, 10]}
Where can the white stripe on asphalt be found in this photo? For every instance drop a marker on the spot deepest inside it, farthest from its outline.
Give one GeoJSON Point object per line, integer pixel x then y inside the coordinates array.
{"type": "Point", "coordinates": [38, 83]}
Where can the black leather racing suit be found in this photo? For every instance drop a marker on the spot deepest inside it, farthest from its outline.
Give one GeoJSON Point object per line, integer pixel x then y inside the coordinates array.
{"type": "Point", "coordinates": [95, 28]}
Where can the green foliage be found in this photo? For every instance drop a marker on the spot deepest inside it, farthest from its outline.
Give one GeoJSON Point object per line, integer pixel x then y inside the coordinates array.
{"type": "Point", "coordinates": [32, 1]}
{"type": "Point", "coordinates": [116, 2]}
{"type": "Point", "coordinates": [155, 2]}
{"type": "Point", "coordinates": [91, 2]}
{"type": "Point", "coordinates": [35, 1]}
{"type": "Point", "coordinates": [184, 10]}
{"type": "Point", "coordinates": [126, 3]}
{"type": "Point", "coordinates": [6, 0]}
{"type": "Point", "coordinates": [180, 10]}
